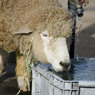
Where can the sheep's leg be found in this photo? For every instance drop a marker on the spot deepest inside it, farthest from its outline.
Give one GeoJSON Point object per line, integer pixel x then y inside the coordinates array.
{"type": "Point", "coordinates": [23, 76]}
{"type": "Point", "coordinates": [3, 60]}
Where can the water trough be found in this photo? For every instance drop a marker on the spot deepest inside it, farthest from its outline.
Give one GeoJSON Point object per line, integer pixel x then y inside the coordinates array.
{"type": "Point", "coordinates": [80, 80]}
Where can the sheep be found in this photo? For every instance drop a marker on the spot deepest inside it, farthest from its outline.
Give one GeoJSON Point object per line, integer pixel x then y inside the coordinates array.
{"type": "Point", "coordinates": [36, 30]}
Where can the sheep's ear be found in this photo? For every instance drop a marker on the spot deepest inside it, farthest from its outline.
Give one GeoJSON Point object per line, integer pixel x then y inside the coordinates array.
{"type": "Point", "coordinates": [23, 31]}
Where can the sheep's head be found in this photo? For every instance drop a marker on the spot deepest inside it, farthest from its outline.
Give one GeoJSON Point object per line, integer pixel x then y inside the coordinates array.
{"type": "Point", "coordinates": [51, 47]}
{"type": "Point", "coordinates": [49, 38]}
{"type": "Point", "coordinates": [48, 49]}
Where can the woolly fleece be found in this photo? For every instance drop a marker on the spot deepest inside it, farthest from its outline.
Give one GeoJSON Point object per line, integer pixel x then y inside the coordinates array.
{"type": "Point", "coordinates": [35, 15]}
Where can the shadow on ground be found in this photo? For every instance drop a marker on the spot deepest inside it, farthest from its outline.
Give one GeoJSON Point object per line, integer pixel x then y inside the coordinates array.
{"type": "Point", "coordinates": [8, 81]}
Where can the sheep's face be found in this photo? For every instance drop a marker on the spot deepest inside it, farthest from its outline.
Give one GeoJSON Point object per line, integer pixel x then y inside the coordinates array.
{"type": "Point", "coordinates": [56, 51]}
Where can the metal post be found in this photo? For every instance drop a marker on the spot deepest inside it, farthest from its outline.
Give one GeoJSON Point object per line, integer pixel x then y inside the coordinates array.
{"type": "Point", "coordinates": [72, 8]}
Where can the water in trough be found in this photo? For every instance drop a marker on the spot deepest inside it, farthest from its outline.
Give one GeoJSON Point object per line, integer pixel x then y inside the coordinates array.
{"type": "Point", "coordinates": [81, 69]}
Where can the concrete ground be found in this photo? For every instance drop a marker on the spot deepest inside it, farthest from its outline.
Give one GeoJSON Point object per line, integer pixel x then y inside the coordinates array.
{"type": "Point", "coordinates": [86, 45]}
{"type": "Point", "coordinates": [84, 48]}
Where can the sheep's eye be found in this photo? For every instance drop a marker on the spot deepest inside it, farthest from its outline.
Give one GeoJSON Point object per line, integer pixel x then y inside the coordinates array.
{"type": "Point", "coordinates": [45, 35]}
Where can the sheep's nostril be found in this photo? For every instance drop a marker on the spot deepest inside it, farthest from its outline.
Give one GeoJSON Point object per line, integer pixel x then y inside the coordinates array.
{"type": "Point", "coordinates": [65, 65]}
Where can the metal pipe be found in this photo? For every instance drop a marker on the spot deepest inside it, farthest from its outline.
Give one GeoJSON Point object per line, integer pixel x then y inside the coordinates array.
{"type": "Point", "coordinates": [76, 9]}
{"type": "Point", "coordinates": [72, 8]}
{"type": "Point", "coordinates": [79, 9]}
